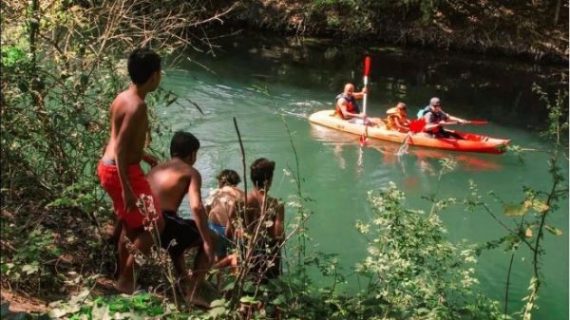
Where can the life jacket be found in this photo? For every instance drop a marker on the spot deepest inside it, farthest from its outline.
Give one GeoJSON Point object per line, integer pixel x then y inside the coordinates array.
{"type": "Point", "coordinates": [423, 111]}
{"type": "Point", "coordinates": [393, 114]}
{"type": "Point", "coordinates": [435, 117]}
{"type": "Point", "coordinates": [351, 105]}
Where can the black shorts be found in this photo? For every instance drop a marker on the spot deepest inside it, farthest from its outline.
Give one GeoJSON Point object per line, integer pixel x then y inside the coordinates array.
{"type": "Point", "coordinates": [184, 231]}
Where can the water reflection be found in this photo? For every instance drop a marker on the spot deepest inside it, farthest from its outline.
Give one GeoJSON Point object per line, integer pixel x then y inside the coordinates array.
{"type": "Point", "coordinates": [427, 160]}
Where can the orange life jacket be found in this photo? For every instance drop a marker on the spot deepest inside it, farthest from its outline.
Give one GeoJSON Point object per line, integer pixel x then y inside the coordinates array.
{"type": "Point", "coordinates": [394, 114]}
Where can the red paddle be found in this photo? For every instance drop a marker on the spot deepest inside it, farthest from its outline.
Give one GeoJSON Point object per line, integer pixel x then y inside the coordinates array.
{"type": "Point", "coordinates": [415, 126]}
{"type": "Point", "coordinates": [363, 136]}
{"type": "Point", "coordinates": [477, 122]}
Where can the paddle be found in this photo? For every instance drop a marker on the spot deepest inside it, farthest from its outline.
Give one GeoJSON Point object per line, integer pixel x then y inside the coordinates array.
{"type": "Point", "coordinates": [473, 122]}
{"type": "Point", "coordinates": [363, 136]}
{"type": "Point", "coordinates": [415, 127]}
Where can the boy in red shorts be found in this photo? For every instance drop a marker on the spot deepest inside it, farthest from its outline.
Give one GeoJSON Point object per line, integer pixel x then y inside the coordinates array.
{"type": "Point", "coordinates": [119, 170]}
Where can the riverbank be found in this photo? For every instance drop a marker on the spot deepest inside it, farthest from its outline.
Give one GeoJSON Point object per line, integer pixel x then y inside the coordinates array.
{"type": "Point", "coordinates": [535, 32]}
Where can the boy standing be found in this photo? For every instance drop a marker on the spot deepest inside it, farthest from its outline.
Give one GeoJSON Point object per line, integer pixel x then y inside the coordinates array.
{"type": "Point", "coordinates": [119, 170]}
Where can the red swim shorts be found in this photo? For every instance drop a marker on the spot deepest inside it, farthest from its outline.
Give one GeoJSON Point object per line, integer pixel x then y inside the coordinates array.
{"type": "Point", "coordinates": [109, 178]}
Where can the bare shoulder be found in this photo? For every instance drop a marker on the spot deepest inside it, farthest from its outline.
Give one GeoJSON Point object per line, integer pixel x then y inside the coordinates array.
{"type": "Point", "coordinates": [127, 102]}
{"type": "Point", "coordinates": [191, 173]}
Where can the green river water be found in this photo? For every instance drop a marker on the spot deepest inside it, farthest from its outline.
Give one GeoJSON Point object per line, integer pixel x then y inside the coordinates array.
{"type": "Point", "coordinates": [265, 82]}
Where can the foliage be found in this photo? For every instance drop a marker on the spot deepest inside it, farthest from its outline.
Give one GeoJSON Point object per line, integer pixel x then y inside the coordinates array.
{"type": "Point", "coordinates": [23, 267]}
{"type": "Point", "coordinates": [536, 30]}
{"type": "Point", "coordinates": [413, 269]}
{"type": "Point", "coordinates": [139, 305]}
{"type": "Point", "coordinates": [528, 218]}
{"type": "Point", "coordinates": [62, 64]}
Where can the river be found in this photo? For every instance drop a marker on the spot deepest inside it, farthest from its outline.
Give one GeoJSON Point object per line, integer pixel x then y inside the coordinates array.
{"type": "Point", "coordinates": [263, 82]}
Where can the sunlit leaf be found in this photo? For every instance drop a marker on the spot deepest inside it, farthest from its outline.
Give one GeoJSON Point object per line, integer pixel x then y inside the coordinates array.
{"type": "Point", "coordinates": [514, 210]}
{"type": "Point", "coordinates": [555, 231]}
{"type": "Point", "coordinates": [247, 299]}
{"type": "Point", "coordinates": [217, 312]}
{"type": "Point", "coordinates": [540, 206]}
{"type": "Point", "coordinates": [218, 303]}
{"type": "Point", "coordinates": [30, 268]}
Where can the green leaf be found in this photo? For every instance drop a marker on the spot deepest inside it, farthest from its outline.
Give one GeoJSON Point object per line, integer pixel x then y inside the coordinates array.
{"type": "Point", "coordinates": [155, 311]}
{"type": "Point", "coordinates": [217, 312]}
{"type": "Point", "coordinates": [229, 286]}
{"type": "Point", "coordinates": [30, 268]}
{"type": "Point", "coordinates": [555, 231]}
{"type": "Point", "coordinates": [280, 300]}
{"type": "Point", "coordinates": [514, 210]}
{"type": "Point", "coordinates": [218, 303]}
{"type": "Point", "coordinates": [248, 299]}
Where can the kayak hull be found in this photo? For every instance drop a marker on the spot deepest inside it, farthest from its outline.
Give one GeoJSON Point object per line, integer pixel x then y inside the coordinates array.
{"type": "Point", "coordinates": [470, 143]}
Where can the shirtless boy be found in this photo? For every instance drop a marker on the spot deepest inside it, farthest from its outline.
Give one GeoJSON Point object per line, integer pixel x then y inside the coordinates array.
{"type": "Point", "coordinates": [222, 204]}
{"type": "Point", "coordinates": [119, 170]}
{"type": "Point", "coordinates": [261, 206]}
{"type": "Point", "coordinates": [170, 181]}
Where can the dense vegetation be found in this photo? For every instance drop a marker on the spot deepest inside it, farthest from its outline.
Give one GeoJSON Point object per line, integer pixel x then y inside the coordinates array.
{"type": "Point", "coordinates": [62, 65]}
{"type": "Point", "coordinates": [533, 29]}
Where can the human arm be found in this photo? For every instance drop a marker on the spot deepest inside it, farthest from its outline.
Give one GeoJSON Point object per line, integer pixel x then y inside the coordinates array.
{"type": "Point", "coordinates": [360, 95]}
{"type": "Point", "coordinates": [150, 159]}
{"type": "Point", "coordinates": [278, 226]}
{"type": "Point", "coordinates": [199, 213]}
{"type": "Point", "coordinates": [402, 124]}
{"type": "Point", "coordinates": [456, 119]}
{"type": "Point", "coordinates": [342, 104]}
{"type": "Point", "coordinates": [429, 125]}
{"type": "Point", "coordinates": [229, 230]}
{"type": "Point", "coordinates": [125, 136]}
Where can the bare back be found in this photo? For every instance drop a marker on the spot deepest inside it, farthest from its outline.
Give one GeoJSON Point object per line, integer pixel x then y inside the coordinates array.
{"type": "Point", "coordinates": [129, 127]}
{"type": "Point", "coordinates": [170, 181]}
{"type": "Point", "coordinates": [224, 203]}
{"type": "Point", "coordinates": [257, 203]}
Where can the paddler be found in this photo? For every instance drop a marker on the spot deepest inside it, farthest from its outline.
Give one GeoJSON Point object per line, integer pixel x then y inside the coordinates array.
{"type": "Point", "coordinates": [397, 118]}
{"type": "Point", "coordinates": [347, 108]}
{"type": "Point", "coordinates": [435, 117]}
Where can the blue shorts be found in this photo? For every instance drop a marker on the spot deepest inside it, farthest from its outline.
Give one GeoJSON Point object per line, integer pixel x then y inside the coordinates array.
{"type": "Point", "coordinates": [222, 244]}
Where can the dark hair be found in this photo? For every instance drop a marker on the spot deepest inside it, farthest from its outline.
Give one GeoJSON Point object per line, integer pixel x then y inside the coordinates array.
{"type": "Point", "coordinates": [183, 144]}
{"type": "Point", "coordinates": [142, 64]}
{"type": "Point", "coordinates": [261, 171]}
{"type": "Point", "coordinates": [228, 177]}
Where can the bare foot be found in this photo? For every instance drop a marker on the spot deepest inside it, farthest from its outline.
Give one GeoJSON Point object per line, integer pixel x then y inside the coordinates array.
{"type": "Point", "coordinates": [198, 301]}
{"type": "Point", "coordinates": [203, 295]}
{"type": "Point", "coordinates": [125, 286]}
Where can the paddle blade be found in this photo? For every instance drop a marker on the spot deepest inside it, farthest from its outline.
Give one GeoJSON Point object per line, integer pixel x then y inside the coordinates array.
{"type": "Point", "coordinates": [417, 125]}
{"type": "Point", "coordinates": [366, 66]}
{"type": "Point", "coordinates": [362, 140]}
{"type": "Point", "coordinates": [478, 122]}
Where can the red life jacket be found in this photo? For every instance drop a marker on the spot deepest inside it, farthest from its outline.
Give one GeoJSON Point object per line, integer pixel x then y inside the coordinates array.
{"type": "Point", "coordinates": [351, 105]}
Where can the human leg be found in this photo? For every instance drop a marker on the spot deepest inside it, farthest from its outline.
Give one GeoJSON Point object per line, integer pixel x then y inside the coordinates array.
{"type": "Point", "coordinates": [142, 241]}
{"type": "Point", "coordinates": [133, 221]}
{"type": "Point", "coordinates": [186, 235]}
{"type": "Point", "coordinates": [195, 285]}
